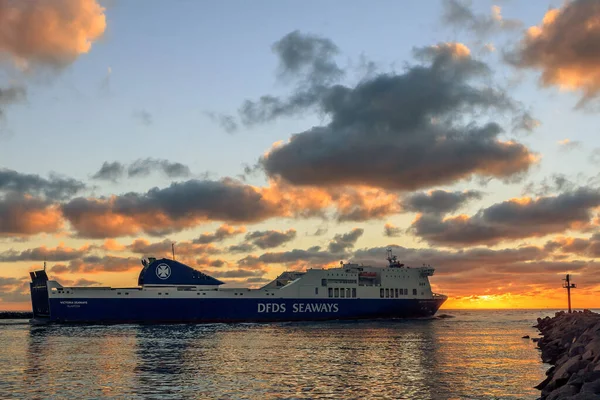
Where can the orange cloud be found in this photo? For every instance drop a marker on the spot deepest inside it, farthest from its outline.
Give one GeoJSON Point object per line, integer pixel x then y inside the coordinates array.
{"type": "Point", "coordinates": [565, 48]}
{"type": "Point", "coordinates": [25, 215]}
{"type": "Point", "coordinates": [50, 33]}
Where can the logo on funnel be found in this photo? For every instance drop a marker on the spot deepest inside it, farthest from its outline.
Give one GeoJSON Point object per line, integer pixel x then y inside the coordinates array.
{"type": "Point", "coordinates": [163, 271]}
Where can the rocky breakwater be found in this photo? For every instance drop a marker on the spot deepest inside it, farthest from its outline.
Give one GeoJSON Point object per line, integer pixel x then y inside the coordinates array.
{"type": "Point", "coordinates": [571, 343]}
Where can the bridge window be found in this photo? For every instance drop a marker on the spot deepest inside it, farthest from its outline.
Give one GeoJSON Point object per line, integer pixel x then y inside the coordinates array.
{"type": "Point", "coordinates": [330, 292]}
{"type": "Point", "coordinates": [381, 293]}
{"type": "Point", "coordinates": [337, 292]}
{"type": "Point", "coordinates": [353, 292]}
{"type": "Point", "coordinates": [324, 281]}
{"type": "Point", "coordinates": [396, 292]}
{"type": "Point", "coordinates": [406, 291]}
{"type": "Point", "coordinates": [414, 292]}
{"type": "Point", "coordinates": [316, 290]}
{"type": "Point", "coordinates": [387, 293]}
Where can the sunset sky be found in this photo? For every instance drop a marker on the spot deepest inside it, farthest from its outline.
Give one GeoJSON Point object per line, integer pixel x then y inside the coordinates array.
{"type": "Point", "coordinates": [267, 136]}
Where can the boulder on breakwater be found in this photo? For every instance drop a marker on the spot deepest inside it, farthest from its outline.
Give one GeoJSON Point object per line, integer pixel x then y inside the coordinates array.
{"type": "Point", "coordinates": [571, 343]}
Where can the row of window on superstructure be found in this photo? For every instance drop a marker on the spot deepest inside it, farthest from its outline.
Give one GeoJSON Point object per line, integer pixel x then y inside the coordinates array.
{"type": "Point", "coordinates": [394, 293]}
{"type": "Point", "coordinates": [342, 292]}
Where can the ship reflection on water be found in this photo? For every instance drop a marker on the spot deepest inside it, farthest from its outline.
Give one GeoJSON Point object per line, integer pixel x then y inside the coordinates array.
{"type": "Point", "coordinates": [472, 356]}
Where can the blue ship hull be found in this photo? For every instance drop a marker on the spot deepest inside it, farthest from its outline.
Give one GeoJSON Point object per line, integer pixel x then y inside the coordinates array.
{"type": "Point", "coordinates": [104, 310]}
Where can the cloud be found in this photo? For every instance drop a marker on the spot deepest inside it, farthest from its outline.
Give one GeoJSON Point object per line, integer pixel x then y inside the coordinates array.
{"type": "Point", "coordinates": [595, 156]}
{"type": "Point", "coordinates": [236, 273]}
{"type": "Point", "coordinates": [216, 263]}
{"type": "Point", "coordinates": [584, 247]}
{"type": "Point", "coordinates": [97, 264]}
{"type": "Point", "coordinates": [390, 230]}
{"type": "Point", "coordinates": [110, 171]}
{"type": "Point", "coordinates": [227, 122]}
{"type": "Point", "coordinates": [439, 201]}
{"type": "Point", "coordinates": [143, 117]}
{"type": "Point", "coordinates": [240, 248]}
{"type": "Point", "coordinates": [320, 232]}
{"type": "Point", "coordinates": [448, 261]}
{"type": "Point", "coordinates": [22, 215]}
{"type": "Point", "coordinates": [223, 232]}
{"type": "Point", "coordinates": [512, 219]}
{"type": "Point", "coordinates": [305, 60]}
{"type": "Point", "coordinates": [345, 242]}
{"type": "Point", "coordinates": [459, 14]}
{"type": "Point", "coordinates": [14, 290]}
{"type": "Point", "coordinates": [141, 168]}
{"type": "Point", "coordinates": [403, 132]}
{"type": "Point", "coordinates": [313, 256]}
{"type": "Point", "coordinates": [161, 211]}
{"type": "Point", "coordinates": [49, 33]}
{"type": "Point", "coordinates": [59, 253]}
{"type": "Point", "coordinates": [555, 183]}
{"type": "Point", "coordinates": [163, 248]}
{"type": "Point", "coordinates": [11, 95]}
{"type": "Point", "coordinates": [270, 239]}
{"type": "Point", "coordinates": [565, 48]}
{"type": "Point", "coordinates": [568, 144]}
{"type": "Point", "coordinates": [54, 188]}
{"type": "Point", "coordinates": [187, 204]}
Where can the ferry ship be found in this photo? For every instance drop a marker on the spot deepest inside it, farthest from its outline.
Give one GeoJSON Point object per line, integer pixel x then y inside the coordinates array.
{"type": "Point", "coordinates": [171, 292]}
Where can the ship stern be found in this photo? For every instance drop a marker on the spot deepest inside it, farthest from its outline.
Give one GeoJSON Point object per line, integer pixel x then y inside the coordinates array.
{"type": "Point", "coordinates": [40, 303]}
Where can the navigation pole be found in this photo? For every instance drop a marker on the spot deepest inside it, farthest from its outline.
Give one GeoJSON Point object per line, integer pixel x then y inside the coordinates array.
{"type": "Point", "coordinates": [568, 285]}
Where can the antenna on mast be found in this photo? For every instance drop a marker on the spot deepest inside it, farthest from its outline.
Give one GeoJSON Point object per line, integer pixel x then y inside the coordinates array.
{"type": "Point", "coordinates": [173, 249]}
{"type": "Point", "coordinates": [568, 285]}
{"type": "Point", "coordinates": [44, 263]}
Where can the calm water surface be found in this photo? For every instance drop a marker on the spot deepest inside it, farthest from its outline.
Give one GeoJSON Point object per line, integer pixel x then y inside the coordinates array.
{"type": "Point", "coordinates": [476, 355]}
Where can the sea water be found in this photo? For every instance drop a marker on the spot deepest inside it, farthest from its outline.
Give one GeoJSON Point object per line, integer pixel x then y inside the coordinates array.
{"type": "Point", "coordinates": [474, 355]}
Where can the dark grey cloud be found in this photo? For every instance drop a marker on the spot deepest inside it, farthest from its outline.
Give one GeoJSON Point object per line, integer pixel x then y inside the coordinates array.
{"type": "Point", "coordinates": [460, 15]}
{"type": "Point", "coordinates": [271, 238]}
{"type": "Point", "coordinates": [405, 131]}
{"type": "Point", "coordinates": [22, 215]}
{"type": "Point", "coordinates": [141, 168]}
{"type": "Point", "coordinates": [439, 201]}
{"type": "Point", "coordinates": [110, 171]}
{"type": "Point", "coordinates": [589, 247]}
{"type": "Point", "coordinates": [53, 188]}
{"type": "Point", "coordinates": [241, 248]}
{"type": "Point", "coordinates": [42, 254]}
{"type": "Point", "coordinates": [308, 56]}
{"type": "Point", "coordinates": [390, 230]}
{"type": "Point", "coordinates": [222, 233]}
{"type": "Point", "coordinates": [345, 242]}
{"type": "Point", "coordinates": [448, 261]}
{"type": "Point", "coordinates": [512, 219]}
{"type": "Point", "coordinates": [320, 232]}
{"type": "Point", "coordinates": [179, 206]}
{"type": "Point", "coordinates": [10, 95]}
{"type": "Point", "coordinates": [313, 256]}
{"type": "Point", "coordinates": [306, 61]}
{"type": "Point", "coordinates": [595, 156]}
{"type": "Point", "coordinates": [94, 264]}
{"type": "Point", "coordinates": [228, 122]}
{"type": "Point", "coordinates": [565, 48]}
{"type": "Point", "coordinates": [143, 117]}
{"type": "Point", "coordinates": [237, 273]}
{"type": "Point", "coordinates": [556, 183]}
{"type": "Point", "coordinates": [14, 290]}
